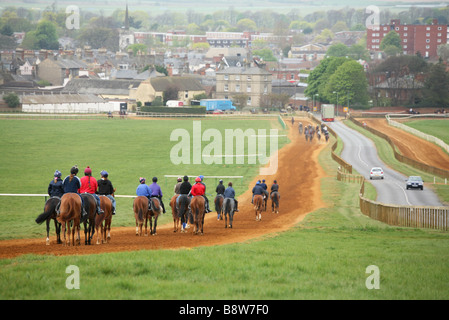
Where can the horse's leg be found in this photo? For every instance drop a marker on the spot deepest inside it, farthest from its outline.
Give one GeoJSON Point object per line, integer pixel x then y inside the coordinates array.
{"type": "Point", "coordinates": [63, 226]}
{"type": "Point", "coordinates": [155, 225]}
{"type": "Point", "coordinates": [78, 239]}
{"type": "Point", "coordinates": [58, 231]}
{"type": "Point", "coordinates": [86, 233]}
{"type": "Point", "coordinates": [146, 224]}
{"type": "Point", "coordinates": [231, 217]}
{"type": "Point", "coordinates": [97, 226]}
{"type": "Point", "coordinates": [47, 241]}
{"type": "Point", "coordinates": [109, 228]}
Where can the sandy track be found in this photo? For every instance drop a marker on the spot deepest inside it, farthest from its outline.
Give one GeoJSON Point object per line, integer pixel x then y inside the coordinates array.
{"type": "Point", "coordinates": [298, 167]}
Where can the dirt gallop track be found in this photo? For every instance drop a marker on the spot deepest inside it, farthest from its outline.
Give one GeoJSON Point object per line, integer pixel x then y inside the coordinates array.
{"type": "Point", "coordinates": [410, 145]}
{"type": "Point", "coordinates": [298, 176]}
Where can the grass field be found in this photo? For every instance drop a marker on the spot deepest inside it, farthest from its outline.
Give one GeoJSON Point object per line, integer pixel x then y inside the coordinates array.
{"type": "Point", "coordinates": [324, 257]}
{"type": "Point", "coordinates": [437, 128]}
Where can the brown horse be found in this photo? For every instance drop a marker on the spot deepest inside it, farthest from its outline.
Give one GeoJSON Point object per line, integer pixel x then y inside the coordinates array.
{"type": "Point", "coordinates": [48, 214]}
{"type": "Point", "coordinates": [258, 206]}
{"type": "Point", "coordinates": [154, 213]}
{"type": "Point", "coordinates": [106, 216]}
{"type": "Point", "coordinates": [197, 207]}
{"type": "Point", "coordinates": [219, 206]}
{"type": "Point", "coordinates": [70, 210]}
{"type": "Point", "coordinates": [140, 207]}
{"type": "Point", "coordinates": [174, 211]}
{"type": "Point", "coordinates": [90, 205]}
{"type": "Point", "coordinates": [275, 197]}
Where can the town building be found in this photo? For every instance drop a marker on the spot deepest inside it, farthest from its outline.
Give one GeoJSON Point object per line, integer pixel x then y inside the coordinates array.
{"type": "Point", "coordinates": [414, 38]}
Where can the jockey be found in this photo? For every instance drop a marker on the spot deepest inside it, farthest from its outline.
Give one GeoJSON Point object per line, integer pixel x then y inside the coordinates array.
{"type": "Point", "coordinates": [55, 188]}
{"type": "Point", "coordinates": [257, 190]}
{"type": "Point", "coordinates": [105, 188]}
{"type": "Point", "coordinates": [199, 189]}
{"type": "Point", "coordinates": [274, 187]}
{"type": "Point", "coordinates": [178, 186]}
{"type": "Point", "coordinates": [220, 188]}
{"type": "Point", "coordinates": [230, 193]}
{"type": "Point", "coordinates": [144, 190]}
{"type": "Point", "coordinates": [264, 187]}
{"type": "Point", "coordinates": [89, 185]}
{"type": "Point", "coordinates": [157, 192]}
{"type": "Point", "coordinates": [72, 184]}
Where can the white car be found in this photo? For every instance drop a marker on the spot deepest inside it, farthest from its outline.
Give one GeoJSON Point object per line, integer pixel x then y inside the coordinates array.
{"type": "Point", "coordinates": [376, 172]}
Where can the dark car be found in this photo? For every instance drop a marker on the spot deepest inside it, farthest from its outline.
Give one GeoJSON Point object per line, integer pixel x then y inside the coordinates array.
{"type": "Point", "coordinates": [415, 182]}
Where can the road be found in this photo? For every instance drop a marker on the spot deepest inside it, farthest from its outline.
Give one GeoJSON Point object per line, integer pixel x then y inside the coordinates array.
{"type": "Point", "coordinates": [361, 153]}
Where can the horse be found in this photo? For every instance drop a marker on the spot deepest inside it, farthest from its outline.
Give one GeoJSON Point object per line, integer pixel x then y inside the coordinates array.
{"type": "Point", "coordinates": [140, 208]}
{"type": "Point", "coordinates": [106, 216]}
{"type": "Point", "coordinates": [70, 210]}
{"type": "Point", "coordinates": [154, 213]}
{"type": "Point", "coordinates": [219, 205]}
{"type": "Point", "coordinates": [183, 210]}
{"type": "Point", "coordinates": [197, 218]}
{"type": "Point", "coordinates": [48, 214]}
{"type": "Point", "coordinates": [258, 206]}
{"type": "Point", "coordinates": [228, 209]}
{"type": "Point", "coordinates": [300, 128]}
{"type": "Point", "coordinates": [90, 205]}
{"type": "Point", "coordinates": [275, 197]}
{"type": "Point", "coordinates": [174, 211]}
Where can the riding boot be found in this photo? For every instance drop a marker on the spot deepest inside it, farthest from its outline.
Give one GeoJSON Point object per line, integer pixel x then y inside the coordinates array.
{"type": "Point", "coordinates": [162, 205]}
{"type": "Point", "coordinates": [99, 210]}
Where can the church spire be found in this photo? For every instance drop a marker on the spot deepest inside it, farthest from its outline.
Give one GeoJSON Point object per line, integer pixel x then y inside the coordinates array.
{"type": "Point", "coordinates": [126, 18]}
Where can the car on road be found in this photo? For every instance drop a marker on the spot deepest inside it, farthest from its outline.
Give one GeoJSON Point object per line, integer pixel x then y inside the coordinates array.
{"type": "Point", "coordinates": [376, 172]}
{"type": "Point", "coordinates": [414, 182]}
{"type": "Point", "coordinates": [218, 111]}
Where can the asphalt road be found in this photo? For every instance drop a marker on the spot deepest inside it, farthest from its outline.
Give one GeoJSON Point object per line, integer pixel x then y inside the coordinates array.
{"type": "Point", "coordinates": [361, 153]}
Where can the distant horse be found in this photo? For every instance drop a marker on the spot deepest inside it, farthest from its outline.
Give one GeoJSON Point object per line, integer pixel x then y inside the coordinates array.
{"type": "Point", "coordinates": [106, 217]}
{"type": "Point", "coordinates": [219, 205]}
{"type": "Point", "coordinates": [318, 135]}
{"type": "Point", "coordinates": [154, 213]}
{"type": "Point", "coordinates": [48, 214]}
{"type": "Point", "coordinates": [140, 208]}
{"type": "Point", "coordinates": [275, 197]}
{"type": "Point", "coordinates": [174, 211]}
{"type": "Point", "coordinates": [258, 206]}
{"type": "Point", "coordinates": [300, 128]}
{"type": "Point", "coordinates": [90, 205]}
{"type": "Point", "coordinates": [228, 209]}
{"type": "Point", "coordinates": [183, 210]}
{"type": "Point", "coordinates": [326, 135]}
{"type": "Point", "coordinates": [70, 210]}
{"type": "Point", "coordinates": [197, 218]}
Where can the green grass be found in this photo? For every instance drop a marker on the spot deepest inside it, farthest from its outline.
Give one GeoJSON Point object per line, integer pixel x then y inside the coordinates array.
{"type": "Point", "coordinates": [436, 127]}
{"type": "Point", "coordinates": [323, 257]}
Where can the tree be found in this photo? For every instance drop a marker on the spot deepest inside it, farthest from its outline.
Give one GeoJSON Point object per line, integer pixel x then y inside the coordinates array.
{"type": "Point", "coordinates": [12, 100]}
{"type": "Point", "coordinates": [391, 39]}
{"type": "Point", "coordinates": [338, 50]}
{"type": "Point", "coordinates": [350, 83]}
{"type": "Point", "coordinates": [436, 86]}
{"type": "Point", "coordinates": [44, 37]}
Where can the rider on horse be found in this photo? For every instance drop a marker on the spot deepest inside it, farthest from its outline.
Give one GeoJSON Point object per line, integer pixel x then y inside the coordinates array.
{"type": "Point", "coordinates": [230, 193]}
{"type": "Point", "coordinates": [144, 190]}
{"type": "Point", "coordinates": [274, 187]}
{"type": "Point", "coordinates": [257, 190]}
{"type": "Point", "coordinates": [199, 189]}
{"type": "Point", "coordinates": [157, 192]}
{"type": "Point", "coordinates": [89, 185]}
{"type": "Point", "coordinates": [105, 188]}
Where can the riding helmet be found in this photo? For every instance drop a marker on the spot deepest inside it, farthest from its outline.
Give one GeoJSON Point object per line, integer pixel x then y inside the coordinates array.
{"type": "Point", "coordinates": [142, 180]}
{"type": "Point", "coordinates": [57, 173]}
{"type": "Point", "coordinates": [197, 179]}
{"type": "Point", "coordinates": [154, 179]}
{"type": "Point", "coordinates": [104, 173]}
{"type": "Point", "coordinates": [88, 171]}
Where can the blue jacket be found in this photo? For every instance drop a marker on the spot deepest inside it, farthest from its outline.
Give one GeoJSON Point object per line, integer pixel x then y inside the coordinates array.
{"type": "Point", "coordinates": [229, 193]}
{"type": "Point", "coordinates": [56, 189]}
{"type": "Point", "coordinates": [258, 189]}
{"type": "Point", "coordinates": [143, 190]}
{"type": "Point", "coordinates": [71, 186]}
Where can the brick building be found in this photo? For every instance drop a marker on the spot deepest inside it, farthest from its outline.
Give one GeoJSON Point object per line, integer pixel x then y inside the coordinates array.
{"type": "Point", "coordinates": [414, 38]}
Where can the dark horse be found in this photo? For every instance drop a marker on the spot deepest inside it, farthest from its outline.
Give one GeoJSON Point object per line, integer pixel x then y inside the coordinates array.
{"type": "Point", "coordinates": [183, 210]}
{"type": "Point", "coordinates": [154, 213]}
{"type": "Point", "coordinates": [106, 216]}
{"type": "Point", "coordinates": [140, 207]}
{"type": "Point", "coordinates": [219, 205]}
{"type": "Point", "coordinates": [197, 218]}
{"type": "Point", "coordinates": [48, 214]}
{"type": "Point", "coordinates": [275, 197]}
{"type": "Point", "coordinates": [90, 205]}
{"type": "Point", "coordinates": [70, 210]}
{"type": "Point", "coordinates": [228, 210]}
{"type": "Point", "coordinates": [258, 206]}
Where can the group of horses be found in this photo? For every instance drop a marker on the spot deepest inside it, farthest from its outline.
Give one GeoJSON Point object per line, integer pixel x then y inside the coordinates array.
{"type": "Point", "coordinates": [185, 210]}
{"type": "Point", "coordinates": [310, 131]}
{"type": "Point", "coordinates": [70, 217]}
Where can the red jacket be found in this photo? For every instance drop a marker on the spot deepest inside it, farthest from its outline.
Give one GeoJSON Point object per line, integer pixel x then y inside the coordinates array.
{"type": "Point", "coordinates": [88, 184]}
{"type": "Point", "coordinates": [198, 189]}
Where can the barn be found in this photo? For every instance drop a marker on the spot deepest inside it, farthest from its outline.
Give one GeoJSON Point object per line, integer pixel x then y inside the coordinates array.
{"type": "Point", "coordinates": [65, 103]}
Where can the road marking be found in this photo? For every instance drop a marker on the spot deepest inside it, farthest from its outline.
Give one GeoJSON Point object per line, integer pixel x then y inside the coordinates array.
{"type": "Point", "coordinates": [405, 194]}
{"type": "Point", "coordinates": [360, 158]}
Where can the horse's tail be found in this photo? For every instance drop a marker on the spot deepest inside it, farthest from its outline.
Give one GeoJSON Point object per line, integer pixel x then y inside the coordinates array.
{"type": "Point", "coordinates": [140, 213]}
{"type": "Point", "coordinates": [49, 208]}
{"type": "Point", "coordinates": [276, 198]}
{"type": "Point", "coordinates": [182, 205]}
{"type": "Point", "coordinates": [228, 206]}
